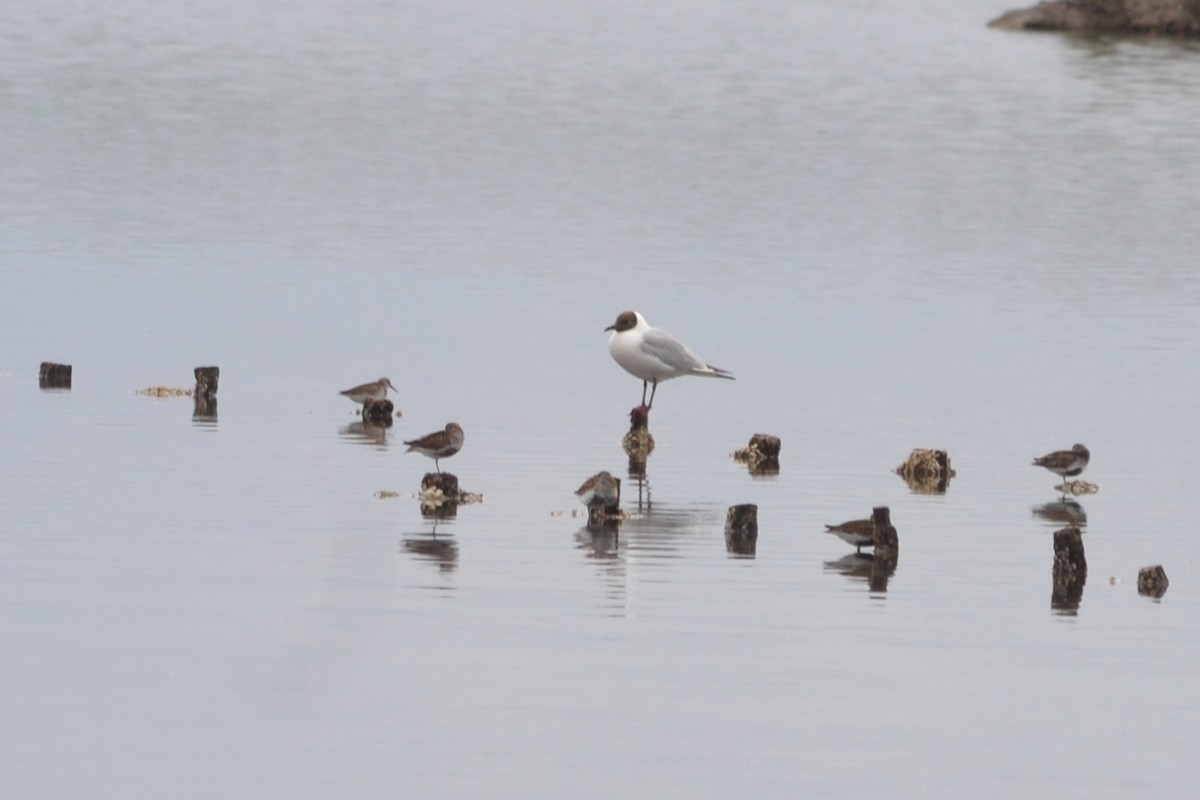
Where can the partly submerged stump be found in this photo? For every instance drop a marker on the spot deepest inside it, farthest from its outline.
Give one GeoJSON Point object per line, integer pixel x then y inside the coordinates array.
{"type": "Point", "coordinates": [204, 396]}
{"type": "Point", "coordinates": [54, 376]}
{"type": "Point", "coordinates": [1070, 569]}
{"type": "Point", "coordinates": [927, 471]}
{"type": "Point", "coordinates": [206, 381]}
{"type": "Point", "coordinates": [1152, 581]}
{"type": "Point", "coordinates": [378, 412]}
{"type": "Point", "coordinates": [761, 455]}
{"type": "Point", "coordinates": [638, 443]}
{"type": "Point", "coordinates": [887, 549]}
{"type": "Point", "coordinates": [741, 529]}
{"type": "Point", "coordinates": [444, 482]}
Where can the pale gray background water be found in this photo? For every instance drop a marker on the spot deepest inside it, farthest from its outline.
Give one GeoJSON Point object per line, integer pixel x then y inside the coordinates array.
{"type": "Point", "coordinates": [897, 227]}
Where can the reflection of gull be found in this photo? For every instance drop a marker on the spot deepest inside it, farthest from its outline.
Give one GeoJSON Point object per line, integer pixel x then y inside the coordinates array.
{"type": "Point", "coordinates": [653, 354]}
{"type": "Point", "coordinates": [857, 532]}
{"type": "Point", "coordinates": [1067, 463]}
{"type": "Point", "coordinates": [1062, 512]}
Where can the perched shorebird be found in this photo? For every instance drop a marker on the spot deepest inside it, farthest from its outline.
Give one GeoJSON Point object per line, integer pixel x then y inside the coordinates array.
{"type": "Point", "coordinates": [439, 444]}
{"type": "Point", "coordinates": [653, 354]}
{"type": "Point", "coordinates": [857, 532]}
{"type": "Point", "coordinates": [601, 490]}
{"type": "Point", "coordinates": [375, 390]}
{"type": "Point", "coordinates": [1067, 463]}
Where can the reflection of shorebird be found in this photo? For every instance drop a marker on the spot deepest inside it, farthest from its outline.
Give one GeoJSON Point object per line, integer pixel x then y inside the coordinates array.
{"type": "Point", "coordinates": [857, 532]}
{"type": "Point", "coordinates": [375, 390]}
{"type": "Point", "coordinates": [1062, 512]}
{"type": "Point", "coordinates": [1067, 463]}
{"type": "Point", "coordinates": [439, 444]}
{"type": "Point", "coordinates": [601, 491]}
{"type": "Point", "coordinates": [653, 354]}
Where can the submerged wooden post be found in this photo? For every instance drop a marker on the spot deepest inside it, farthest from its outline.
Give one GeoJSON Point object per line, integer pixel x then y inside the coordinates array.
{"type": "Point", "coordinates": [1070, 569]}
{"type": "Point", "coordinates": [887, 549]}
{"type": "Point", "coordinates": [761, 455]}
{"type": "Point", "coordinates": [741, 529]}
{"type": "Point", "coordinates": [927, 471]}
{"type": "Point", "coordinates": [54, 376]}
{"type": "Point", "coordinates": [1152, 581]}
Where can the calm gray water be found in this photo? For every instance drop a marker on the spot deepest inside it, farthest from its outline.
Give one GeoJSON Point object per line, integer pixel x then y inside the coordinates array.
{"type": "Point", "coordinates": [897, 227]}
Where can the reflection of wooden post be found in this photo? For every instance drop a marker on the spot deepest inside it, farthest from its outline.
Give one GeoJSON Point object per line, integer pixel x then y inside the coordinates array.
{"type": "Point", "coordinates": [54, 376]}
{"type": "Point", "coordinates": [741, 529]}
{"type": "Point", "coordinates": [1070, 569]}
{"type": "Point", "coordinates": [1152, 581]}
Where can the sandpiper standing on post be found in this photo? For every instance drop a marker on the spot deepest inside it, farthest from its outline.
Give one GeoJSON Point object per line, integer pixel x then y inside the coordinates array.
{"type": "Point", "coordinates": [439, 444]}
{"type": "Point", "coordinates": [375, 390]}
{"type": "Point", "coordinates": [1067, 463]}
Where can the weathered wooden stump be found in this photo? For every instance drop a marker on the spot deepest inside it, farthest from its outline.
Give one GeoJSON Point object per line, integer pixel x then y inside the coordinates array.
{"type": "Point", "coordinates": [887, 549]}
{"type": "Point", "coordinates": [1152, 581]}
{"type": "Point", "coordinates": [206, 381]}
{"type": "Point", "coordinates": [927, 471]}
{"type": "Point", "coordinates": [886, 536]}
{"type": "Point", "coordinates": [741, 529]}
{"type": "Point", "coordinates": [54, 376]}
{"type": "Point", "coordinates": [378, 412]}
{"type": "Point", "coordinates": [638, 443]}
{"type": "Point", "coordinates": [1070, 569]}
{"type": "Point", "coordinates": [444, 482]}
{"type": "Point", "coordinates": [761, 455]}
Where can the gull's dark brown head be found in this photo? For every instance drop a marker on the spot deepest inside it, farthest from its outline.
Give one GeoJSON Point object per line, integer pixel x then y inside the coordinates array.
{"type": "Point", "coordinates": [625, 321]}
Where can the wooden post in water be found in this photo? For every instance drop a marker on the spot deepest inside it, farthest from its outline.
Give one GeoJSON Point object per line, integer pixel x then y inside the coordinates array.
{"type": "Point", "coordinates": [54, 376]}
{"type": "Point", "coordinates": [741, 529]}
{"type": "Point", "coordinates": [378, 412]}
{"type": "Point", "coordinates": [887, 549]}
{"type": "Point", "coordinates": [205, 393]}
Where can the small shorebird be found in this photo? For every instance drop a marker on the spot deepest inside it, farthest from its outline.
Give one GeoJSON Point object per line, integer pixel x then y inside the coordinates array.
{"type": "Point", "coordinates": [857, 532]}
{"type": "Point", "coordinates": [439, 444]}
{"type": "Point", "coordinates": [375, 390]}
{"type": "Point", "coordinates": [601, 490]}
{"type": "Point", "coordinates": [1067, 463]}
{"type": "Point", "coordinates": [653, 354]}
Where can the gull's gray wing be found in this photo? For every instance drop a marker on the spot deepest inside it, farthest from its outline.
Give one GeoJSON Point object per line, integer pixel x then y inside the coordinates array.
{"type": "Point", "coordinates": [672, 352]}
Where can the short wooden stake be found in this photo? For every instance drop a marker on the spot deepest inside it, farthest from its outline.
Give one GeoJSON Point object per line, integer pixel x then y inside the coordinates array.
{"type": "Point", "coordinates": [741, 529]}
{"type": "Point", "coordinates": [54, 376]}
